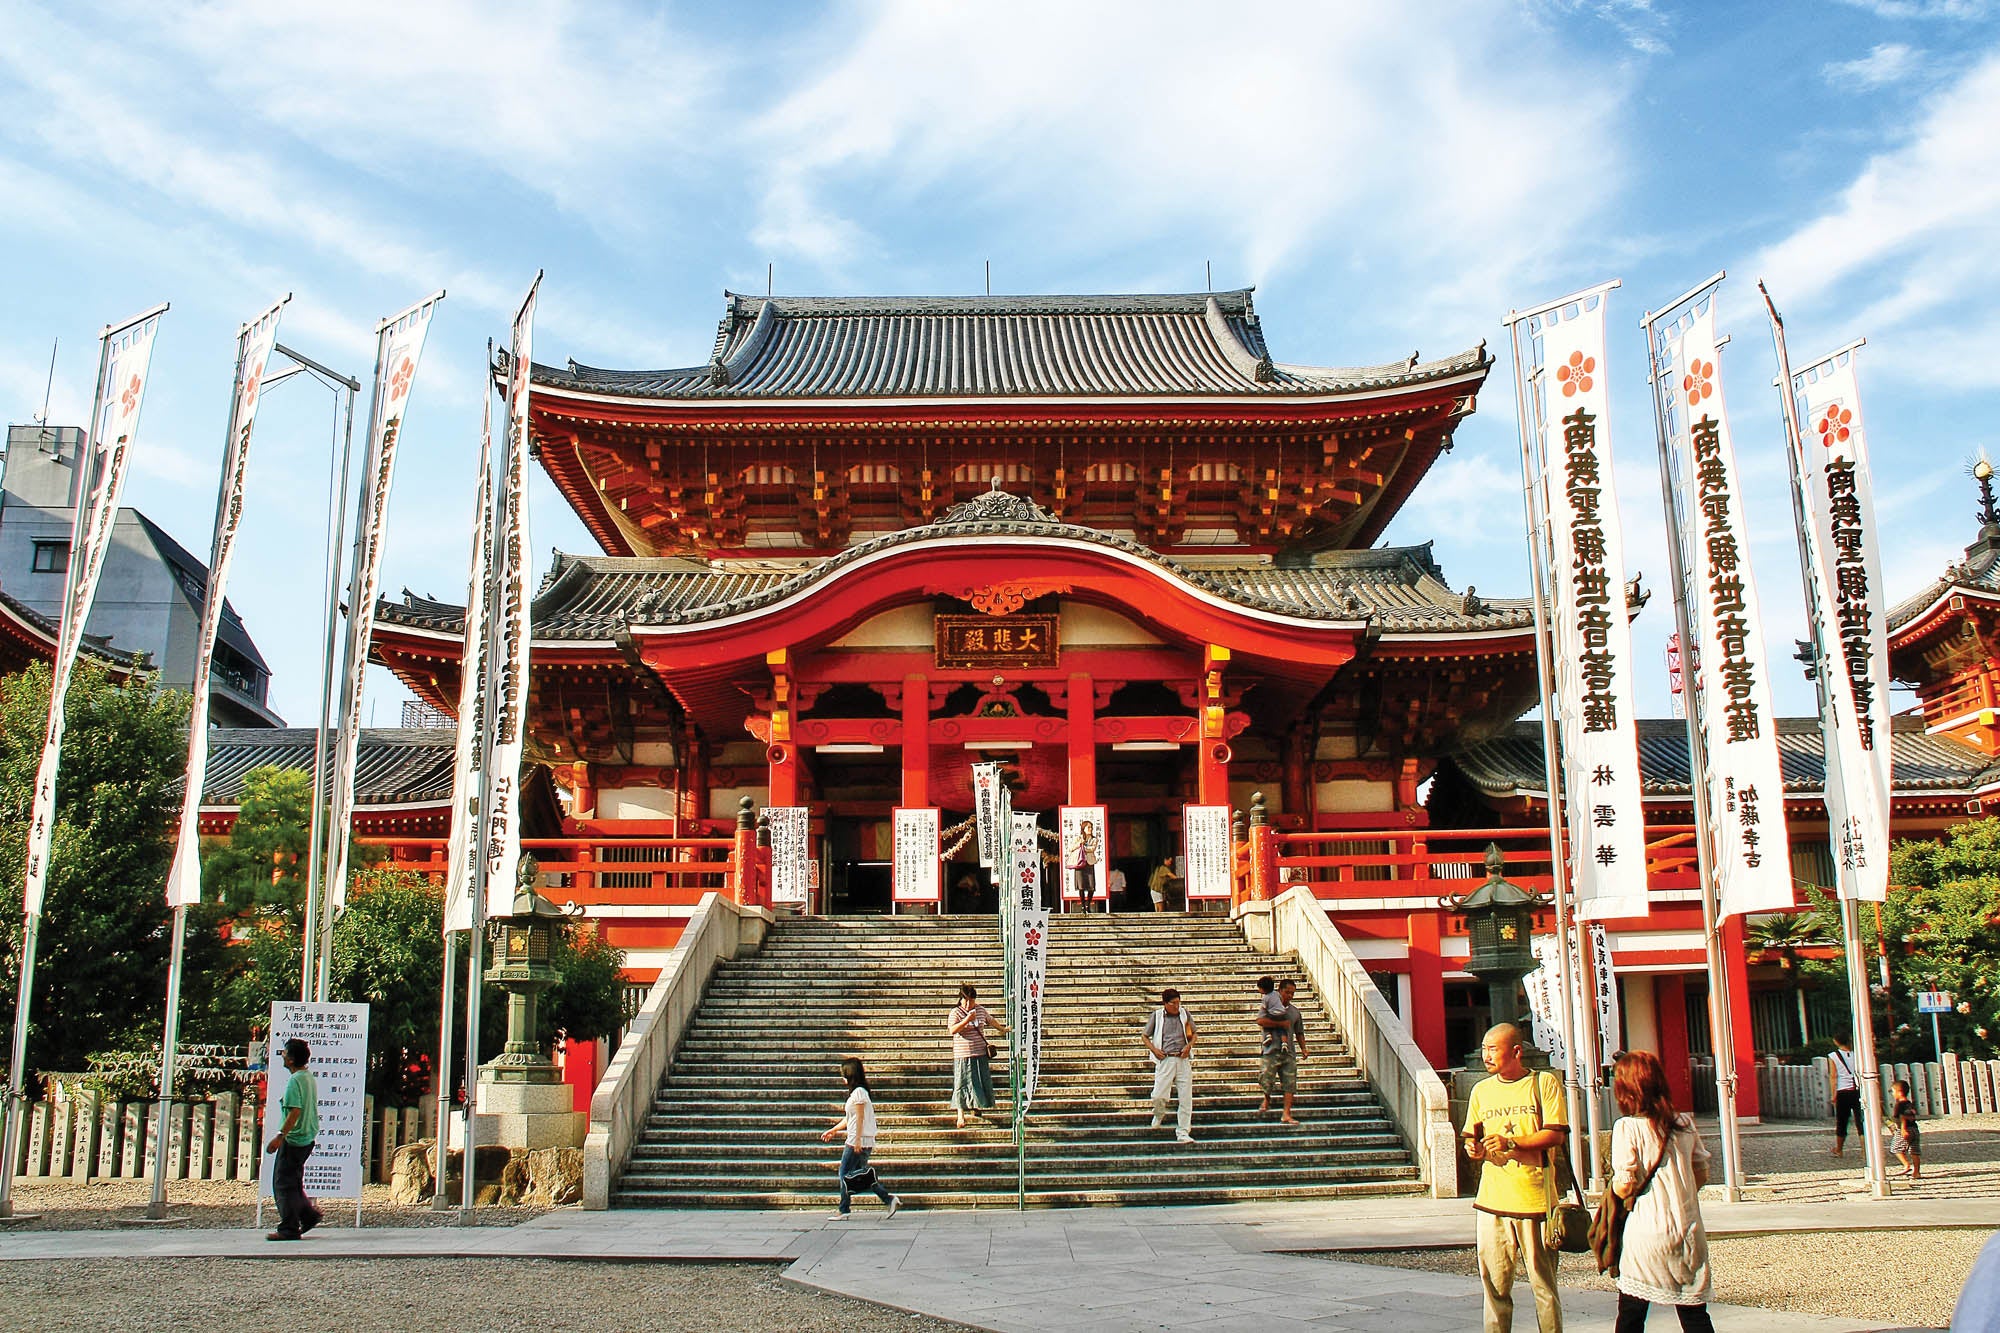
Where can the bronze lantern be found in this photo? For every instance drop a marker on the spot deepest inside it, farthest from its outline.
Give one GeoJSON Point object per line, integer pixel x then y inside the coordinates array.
{"type": "Point", "coordinates": [1500, 921]}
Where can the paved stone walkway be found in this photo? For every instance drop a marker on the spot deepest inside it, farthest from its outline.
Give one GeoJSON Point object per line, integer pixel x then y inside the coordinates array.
{"type": "Point", "coordinates": [1076, 1271]}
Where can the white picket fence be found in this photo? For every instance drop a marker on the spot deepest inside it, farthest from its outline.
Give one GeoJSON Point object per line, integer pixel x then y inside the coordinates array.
{"type": "Point", "coordinates": [1799, 1092]}
{"type": "Point", "coordinates": [81, 1138]}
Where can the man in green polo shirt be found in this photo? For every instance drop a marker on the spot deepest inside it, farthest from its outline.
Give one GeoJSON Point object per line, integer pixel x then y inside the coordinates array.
{"type": "Point", "coordinates": [292, 1144]}
{"type": "Point", "coordinates": [1512, 1122]}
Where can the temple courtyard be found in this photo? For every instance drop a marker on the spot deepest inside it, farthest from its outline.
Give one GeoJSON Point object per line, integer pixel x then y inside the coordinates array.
{"type": "Point", "coordinates": [1805, 1250]}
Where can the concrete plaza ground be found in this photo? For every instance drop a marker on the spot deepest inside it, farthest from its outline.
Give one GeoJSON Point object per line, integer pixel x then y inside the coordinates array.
{"type": "Point", "coordinates": [1247, 1266]}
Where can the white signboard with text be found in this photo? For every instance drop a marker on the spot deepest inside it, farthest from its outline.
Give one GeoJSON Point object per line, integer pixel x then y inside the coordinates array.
{"type": "Point", "coordinates": [1084, 851]}
{"type": "Point", "coordinates": [1208, 851]}
{"type": "Point", "coordinates": [791, 854]}
{"type": "Point", "coordinates": [918, 832]}
{"type": "Point", "coordinates": [338, 1037]}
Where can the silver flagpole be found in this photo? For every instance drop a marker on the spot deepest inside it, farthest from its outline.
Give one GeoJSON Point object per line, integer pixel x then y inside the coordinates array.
{"type": "Point", "coordinates": [1860, 1009]}
{"type": "Point", "coordinates": [31, 922]}
{"type": "Point", "coordinates": [1532, 503]}
{"type": "Point", "coordinates": [1722, 1033]}
{"type": "Point", "coordinates": [439, 1200]}
{"type": "Point", "coordinates": [338, 469]}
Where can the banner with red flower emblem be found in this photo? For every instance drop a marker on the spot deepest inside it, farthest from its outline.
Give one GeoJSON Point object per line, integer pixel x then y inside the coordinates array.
{"type": "Point", "coordinates": [253, 348]}
{"type": "Point", "coordinates": [1845, 559]}
{"type": "Point", "coordinates": [399, 346]}
{"type": "Point", "coordinates": [469, 763]}
{"type": "Point", "coordinates": [1595, 703]}
{"type": "Point", "coordinates": [125, 359]}
{"type": "Point", "coordinates": [1031, 945]}
{"type": "Point", "coordinates": [1730, 670]}
{"type": "Point", "coordinates": [508, 704]}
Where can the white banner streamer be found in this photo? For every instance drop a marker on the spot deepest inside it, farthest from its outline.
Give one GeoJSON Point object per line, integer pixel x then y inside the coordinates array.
{"type": "Point", "coordinates": [125, 359]}
{"type": "Point", "coordinates": [1031, 945]}
{"type": "Point", "coordinates": [399, 346]}
{"type": "Point", "coordinates": [1596, 711]}
{"type": "Point", "coordinates": [1730, 675]}
{"type": "Point", "coordinates": [1852, 620]}
{"type": "Point", "coordinates": [469, 764]}
{"type": "Point", "coordinates": [253, 348]}
{"type": "Point", "coordinates": [508, 706]}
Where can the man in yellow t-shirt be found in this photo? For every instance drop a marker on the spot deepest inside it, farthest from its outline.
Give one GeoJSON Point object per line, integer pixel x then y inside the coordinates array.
{"type": "Point", "coordinates": [1513, 1120]}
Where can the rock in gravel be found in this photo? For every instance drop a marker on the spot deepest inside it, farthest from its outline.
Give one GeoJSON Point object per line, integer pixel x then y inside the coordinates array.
{"type": "Point", "coordinates": [555, 1176]}
{"type": "Point", "coordinates": [410, 1175]}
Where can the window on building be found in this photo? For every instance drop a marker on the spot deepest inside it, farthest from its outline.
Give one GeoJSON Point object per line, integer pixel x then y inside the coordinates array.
{"type": "Point", "coordinates": [51, 557]}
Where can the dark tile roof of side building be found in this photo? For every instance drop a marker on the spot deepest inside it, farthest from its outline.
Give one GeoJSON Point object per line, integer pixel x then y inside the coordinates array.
{"type": "Point", "coordinates": [1188, 345]}
{"type": "Point", "coordinates": [394, 766]}
{"type": "Point", "coordinates": [1511, 763]}
{"type": "Point", "coordinates": [1979, 571]}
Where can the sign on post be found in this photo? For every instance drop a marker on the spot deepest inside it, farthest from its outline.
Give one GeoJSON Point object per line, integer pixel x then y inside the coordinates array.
{"type": "Point", "coordinates": [1935, 1001]}
{"type": "Point", "coordinates": [1208, 852]}
{"type": "Point", "coordinates": [338, 1037]}
{"type": "Point", "coordinates": [791, 854]}
{"type": "Point", "coordinates": [916, 876]}
{"type": "Point", "coordinates": [1084, 852]}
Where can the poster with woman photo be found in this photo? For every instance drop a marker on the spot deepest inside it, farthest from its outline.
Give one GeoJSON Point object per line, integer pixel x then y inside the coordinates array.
{"type": "Point", "coordinates": [1086, 857]}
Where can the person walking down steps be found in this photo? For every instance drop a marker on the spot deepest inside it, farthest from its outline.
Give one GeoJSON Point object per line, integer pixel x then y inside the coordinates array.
{"type": "Point", "coordinates": [1170, 1041]}
{"type": "Point", "coordinates": [971, 1054]}
{"type": "Point", "coordinates": [857, 1129]}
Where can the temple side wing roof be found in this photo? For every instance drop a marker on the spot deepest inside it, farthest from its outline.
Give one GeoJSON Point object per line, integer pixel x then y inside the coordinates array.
{"type": "Point", "coordinates": [395, 766]}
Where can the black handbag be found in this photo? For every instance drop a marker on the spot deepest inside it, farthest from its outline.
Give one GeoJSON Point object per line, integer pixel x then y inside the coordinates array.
{"type": "Point", "coordinates": [860, 1179]}
{"type": "Point", "coordinates": [1567, 1226]}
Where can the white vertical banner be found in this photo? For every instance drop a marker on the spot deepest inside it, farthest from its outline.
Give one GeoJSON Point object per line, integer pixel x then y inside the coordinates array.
{"type": "Point", "coordinates": [1031, 944]}
{"type": "Point", "coordinates": [1085, 841]}
{"type": "Point", "coordinates": [986, 823]}
{"type": "Point", "coordinates": [1730, 670]}
{"type": "Point", "coordinates": [1208, 869]}
{"type": "Point", "coordinates": [337, 1035]}
{"type": "Point", "coordinates": [1544, 988]}
{"type": "Point", "coordinates": [1605, 988]}
{"type": "Point", "coordinates": [125, 360]}
{"type": "Point", "coordinates": [253, 348]}
{"type": "Point", "coordinates": [399, 346]}
{"type": "Point", "coordinates": [790, 827]}
{"type": "Point", "coordinates": [1596, 702]}
{"type": "Point", "coordinates": [915, 874]}
{"type": "Point", "coordinates": [511, 629]}
{"type": "Point", "coordinates": [1852, 620]}
{"type": "Point", "coordinates": [469, 764]}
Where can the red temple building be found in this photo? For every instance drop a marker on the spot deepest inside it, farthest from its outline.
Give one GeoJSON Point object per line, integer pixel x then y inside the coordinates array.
{"type": "Point", "coordinates": [1116, 544]}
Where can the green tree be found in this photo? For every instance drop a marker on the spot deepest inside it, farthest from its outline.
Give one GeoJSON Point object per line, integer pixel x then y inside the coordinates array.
{"type": "Point", "coordinates": [100, 980]}
{"type": "Point", "coordinates": [1786, 934]}
{"type": "Point", "coordinates": [262, 866]}
{"type": "Point", "coordinates": [1942, 925]}
{"type": "Point", "coordinates": [388, 953]}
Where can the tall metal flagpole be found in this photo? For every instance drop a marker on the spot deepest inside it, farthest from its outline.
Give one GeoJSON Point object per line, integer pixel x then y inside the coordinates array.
{"type": "Point", "coordinates": [1722, 1033]}
{"type": "Point", "coordinates": [439, 1200]}
{"type": "Point", "coordinates": [1860, 1010]}
{"type": "Point", "coordinates": [31, 922]}
{"type": "Point", "coordinates": [338, 469]}
{"type": "Point", "coordinates": [1532, 495]}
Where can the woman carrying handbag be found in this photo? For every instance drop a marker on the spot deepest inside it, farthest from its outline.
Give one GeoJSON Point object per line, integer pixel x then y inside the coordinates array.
{"type": "Point", "coordinates": [1658, 1166]}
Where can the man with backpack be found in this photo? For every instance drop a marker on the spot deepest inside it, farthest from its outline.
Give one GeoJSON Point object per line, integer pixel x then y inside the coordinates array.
{"type": "Point", "coordinates": [1170, 1041]}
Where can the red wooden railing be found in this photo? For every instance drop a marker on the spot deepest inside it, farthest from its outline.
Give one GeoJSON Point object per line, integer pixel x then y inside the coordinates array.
{"type": "Point", "coordinates": [607, 871]}
{"type": "Point", "coordinates": [1403, 862]}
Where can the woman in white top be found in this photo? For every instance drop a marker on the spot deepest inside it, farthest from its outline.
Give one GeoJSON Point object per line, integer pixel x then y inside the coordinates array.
{"type": "Point", "coordinates": [1659, 1163]}
{"type": "Point", "coordinates": [858, 1127]}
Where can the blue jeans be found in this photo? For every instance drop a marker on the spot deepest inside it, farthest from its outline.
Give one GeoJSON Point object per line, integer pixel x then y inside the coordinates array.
{"type": "Point", "coordinates": [853, 1159]}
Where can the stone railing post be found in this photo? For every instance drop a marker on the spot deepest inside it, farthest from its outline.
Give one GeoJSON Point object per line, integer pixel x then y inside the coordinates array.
{"type": "Point", "coordinates": [745, 853]}
{"type": "Point", "coordinates": [1264, 884]}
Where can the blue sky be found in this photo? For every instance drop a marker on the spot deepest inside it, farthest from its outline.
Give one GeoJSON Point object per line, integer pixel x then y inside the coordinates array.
{"type": "Point", "coordinates": [1391, 177]}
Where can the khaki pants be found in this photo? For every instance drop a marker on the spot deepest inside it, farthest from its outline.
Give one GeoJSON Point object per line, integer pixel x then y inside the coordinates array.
{"type": "Point", "coordinates": [1506, 1246]}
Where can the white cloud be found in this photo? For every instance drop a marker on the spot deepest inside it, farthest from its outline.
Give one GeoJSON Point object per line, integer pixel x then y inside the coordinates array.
{"type": "Point", "coordinates": [1904, 246]}
{"type": "Point", "coordinates": [1886, 63]}
{"type": "Point", "coordinates": [1963, 10]}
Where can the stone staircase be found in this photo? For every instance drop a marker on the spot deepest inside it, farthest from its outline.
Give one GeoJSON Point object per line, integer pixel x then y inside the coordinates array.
{"type": "Point", "coordinates": [737, 1120]}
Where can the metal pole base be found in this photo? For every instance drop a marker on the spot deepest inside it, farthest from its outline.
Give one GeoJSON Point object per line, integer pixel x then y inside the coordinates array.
{"type": "Point", "coordinates": [161, 1219]}
{"type": "Point", "coordinates": [10, 1216]}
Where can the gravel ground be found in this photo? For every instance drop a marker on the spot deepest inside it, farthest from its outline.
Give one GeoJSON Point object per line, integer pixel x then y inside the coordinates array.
{"type": "Point", "coordinates": [414, 1295]}
{"type": "Point", "coordinates": [1843, 1277]}
{"type": "Point", "coordinates": [1792, 1162]}
{"type": "Point", "coordinates": [104, 1204]}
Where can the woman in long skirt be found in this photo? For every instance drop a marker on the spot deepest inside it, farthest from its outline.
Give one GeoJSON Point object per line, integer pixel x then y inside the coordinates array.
{"type": "Point", "coordinates": [971, 1054]}
{"type": "Point", "coordinates": [857, 1129]}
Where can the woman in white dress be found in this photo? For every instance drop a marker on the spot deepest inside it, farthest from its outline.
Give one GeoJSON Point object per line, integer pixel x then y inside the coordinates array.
{"type": "Point", "coordinates": [1659, 1163]}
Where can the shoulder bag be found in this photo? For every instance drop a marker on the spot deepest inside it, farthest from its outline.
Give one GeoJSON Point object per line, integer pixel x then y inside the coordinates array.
{"type": "Point", "coordinates": [1607, 1227]}
{"type": "Point", "coordinates": [1567, 1226]}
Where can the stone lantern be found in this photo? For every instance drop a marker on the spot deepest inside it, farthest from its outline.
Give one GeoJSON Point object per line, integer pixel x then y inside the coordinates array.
{"type": "Point", "coordinates": [1500, 920]}
{"type": "Point", "coordinates": [523, 1102]}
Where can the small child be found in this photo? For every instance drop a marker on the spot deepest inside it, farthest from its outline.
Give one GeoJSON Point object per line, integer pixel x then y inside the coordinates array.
{"type": "Point", "coordinates": [1906, 1143]}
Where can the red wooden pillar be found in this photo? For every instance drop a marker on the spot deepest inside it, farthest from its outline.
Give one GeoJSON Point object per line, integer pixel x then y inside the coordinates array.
{"type": "Point", "coordinates": [1736, 958]}
{"type": "Point", "coordinates": [1426, 1016]}
{"type": "Point", "coordinates": [916, 741]}
{"type": "Point", "coordinates": [1212, 768]}
{"type": "Point", "coordinates": [1298, 786]}
{"type": "Point", "coordinates": [1082, 741]}
{"type": "Point", "coordinates": [1670, 1017]}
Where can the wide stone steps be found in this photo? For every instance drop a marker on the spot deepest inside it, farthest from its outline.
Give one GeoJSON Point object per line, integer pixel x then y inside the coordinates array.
{"type": "Point", "coordinates": [737, 1119]}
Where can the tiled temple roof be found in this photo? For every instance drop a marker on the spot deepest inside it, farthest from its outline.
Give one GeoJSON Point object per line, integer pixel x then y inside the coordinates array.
{"type": "Point", "coordinates": [1394, 589]}
{"type": "Point", "coordinates": [1199, 345]}
{"type": "Point", "coordinates": [1979, 572]}
{"type": "Point", "coordinates": [395, 766]}
{"type": "Point", "coordinates": [1511, 763]}
{"type": "Point", "coordinates": [34, 625]}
